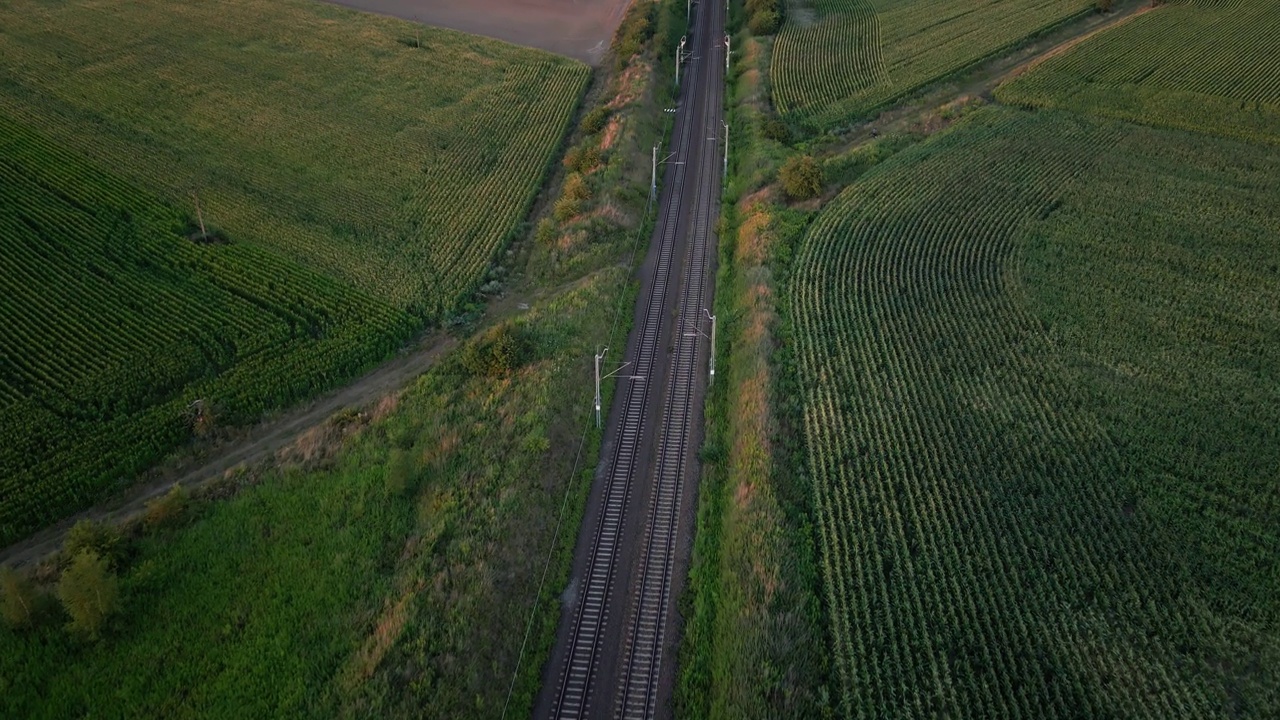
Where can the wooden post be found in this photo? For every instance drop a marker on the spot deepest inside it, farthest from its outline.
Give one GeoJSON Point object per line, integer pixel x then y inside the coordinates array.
{"type": "Point", "coordinates": [199, 216]}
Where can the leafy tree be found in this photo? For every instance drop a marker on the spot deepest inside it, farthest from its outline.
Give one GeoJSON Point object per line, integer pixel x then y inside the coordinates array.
{"type": "Point", "coordinates": [19, 598]}
{"type": "Point", "coordinates": [89, 592]}
{"type": "Point", "coordinates": [765, 22]}
{"type": "Point", "coordinates": [102, 539]}
{"type": "Point", "coordinates": [801, 177]}
{"type": "Point", "coordinates": [1103, 6]}
{"type": "Point", "coordinates": [764, 17]}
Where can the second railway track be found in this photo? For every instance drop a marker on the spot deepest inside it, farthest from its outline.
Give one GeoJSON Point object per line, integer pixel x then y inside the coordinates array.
{"type": "Point", "coordinates": [610, 653]}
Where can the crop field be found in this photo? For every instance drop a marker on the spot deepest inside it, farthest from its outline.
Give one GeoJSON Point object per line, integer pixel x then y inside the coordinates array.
{"type": "Point", "coordinates": [1041, 398]}
{"type": "Point", "coordinates": [835, 60]}
{"type": "Point", "coordinates": [334, 156]}
{"type": "Point", "coordinates": [1208, 66]}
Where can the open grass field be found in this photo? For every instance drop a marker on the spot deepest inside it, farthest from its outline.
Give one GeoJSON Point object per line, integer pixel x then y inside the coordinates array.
{"type": "Point", "coordinates": [1207, 66]}
{"type": "Point", "coordinates": [1040, 356]}
{"type": "Point", "coordinates": [392, 579]}
{"type": "Point", "coordinates": [361, 175]}
{"type": "Point", "coordinates": [837, 60]}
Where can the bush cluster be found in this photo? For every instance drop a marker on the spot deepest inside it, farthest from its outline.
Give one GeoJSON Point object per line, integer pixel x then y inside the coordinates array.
{"type": "Point", "coordinates": [635, 30]}
{"type": "Point", "coordinates": [801, 177]}
{"type": "Point", "coordinates": [764, 17]}
{"type": "Point", "coordinates": [594, 121]}
{"type": "Point", "coordinates": [776, 130]}
{"type": "Point", "coordinates": [498, 352]}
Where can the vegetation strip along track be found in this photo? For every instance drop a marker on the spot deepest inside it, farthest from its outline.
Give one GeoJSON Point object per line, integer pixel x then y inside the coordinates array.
{"type": "Point", "coordinates": [587, 637]}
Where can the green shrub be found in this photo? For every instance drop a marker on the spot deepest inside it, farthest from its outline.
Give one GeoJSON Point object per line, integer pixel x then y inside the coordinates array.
{"type": "Point", "coordinates": [587, 160]}
{"type": "Point", "coordinates": [573, 158]}
{"type": "Point", "coordinates": [566, 207]}
{"type": "Point", "coordinates": [402, 473]}
{"type": "Point", "coordinates": [595, 120]}
{"type": "Point", "coordinates": [89, 592]}
{"type": "Point", "coordinates": [546, 231]}
{"type": "Point", "coordinates": [17, 598]}
{"type": "Point", "coordinates": [776, 130]}
{"type": "Point", "coordinates": [801, 177]}
{"type": "Point", "coordinates": [101, 539]}
{"type": "Point", "coordinates": [168, 508]}
{"type": "Point", "coordinates": [576, 187]}
{"type": "Point", "coordinates": [498, 352]}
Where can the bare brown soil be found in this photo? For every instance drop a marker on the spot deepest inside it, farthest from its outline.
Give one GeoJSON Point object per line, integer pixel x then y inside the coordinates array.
{"type": "Point", "coordinates": [580, 29]}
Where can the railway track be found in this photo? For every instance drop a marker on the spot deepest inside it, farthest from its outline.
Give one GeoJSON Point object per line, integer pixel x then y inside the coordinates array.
{"type": "Point", "coordinates": [624, 619]}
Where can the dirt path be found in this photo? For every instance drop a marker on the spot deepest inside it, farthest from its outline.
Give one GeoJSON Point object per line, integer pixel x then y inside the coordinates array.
{"type": "Point", "coordinates": [246, 446]}
{"type": "Point", "coordinates": [982, 79]}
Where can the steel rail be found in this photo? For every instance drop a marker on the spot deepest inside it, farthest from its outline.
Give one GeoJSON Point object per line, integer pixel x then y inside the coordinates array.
{"type": "Point", "coordinates": [591, 613]}
{"type": "Point", "coordinates": [638, 685]}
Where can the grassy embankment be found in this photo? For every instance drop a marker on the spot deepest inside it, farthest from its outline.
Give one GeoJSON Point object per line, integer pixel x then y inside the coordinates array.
{"type": "Point", "coordinates": [212, 210]}
{"type": "Point", "coordinates": [753, 645]}
{"type": "Point", "coordinates": [388, 565]}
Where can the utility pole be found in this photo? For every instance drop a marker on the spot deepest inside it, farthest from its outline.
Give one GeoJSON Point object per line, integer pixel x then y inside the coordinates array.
{"type": "Point", "coordinates": [726, 151]}
{"type": "Point", "coordinates": [653, 175]}
{"type": "Point", "coordinates": [653, 172]}
{"type": "Point", "coordinates": [599, 377]}
{"type": "Point", "coordinates": [599, 357]}
{"type": "Point", "coordinates": [199, 216]}
{"type": "Point", "coordinates": [679, 53]}
{"type": "Point", "coordinates": [713, 345]}
{"type": "Point", "coordinates": [726, 55]}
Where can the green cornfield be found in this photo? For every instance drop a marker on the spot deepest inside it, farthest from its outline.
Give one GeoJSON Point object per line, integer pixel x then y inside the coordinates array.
{"type": "Point", "coordinates": [1040, 360]}
{"type": "Point", "coordinates": [1208, 66]}
{"type": "Point", "coordinates": [360, 174]}
{"type": "Point", "coordinates": [836, 60]}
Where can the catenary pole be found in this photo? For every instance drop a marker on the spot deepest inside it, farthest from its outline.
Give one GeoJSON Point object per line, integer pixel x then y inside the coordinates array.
{"type": "Point", "coordinates": [599, 357]}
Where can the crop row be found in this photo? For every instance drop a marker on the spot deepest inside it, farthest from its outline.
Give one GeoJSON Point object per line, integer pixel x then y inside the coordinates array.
{"type": "Point", "coordinates": [841, 55]}
{"type": "Point", "coordinates": [1211, 68]}
{"type": "Point", "coordinates": [398, 170]}
{"type": "Point", "coordinates": [856, 58]}
{"type": "Point", "coordinates": [424, 251]}
{"type": "Point", "coordinates": [974, 550]}
{"type": "Point", "coordinates": [112, 323]}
